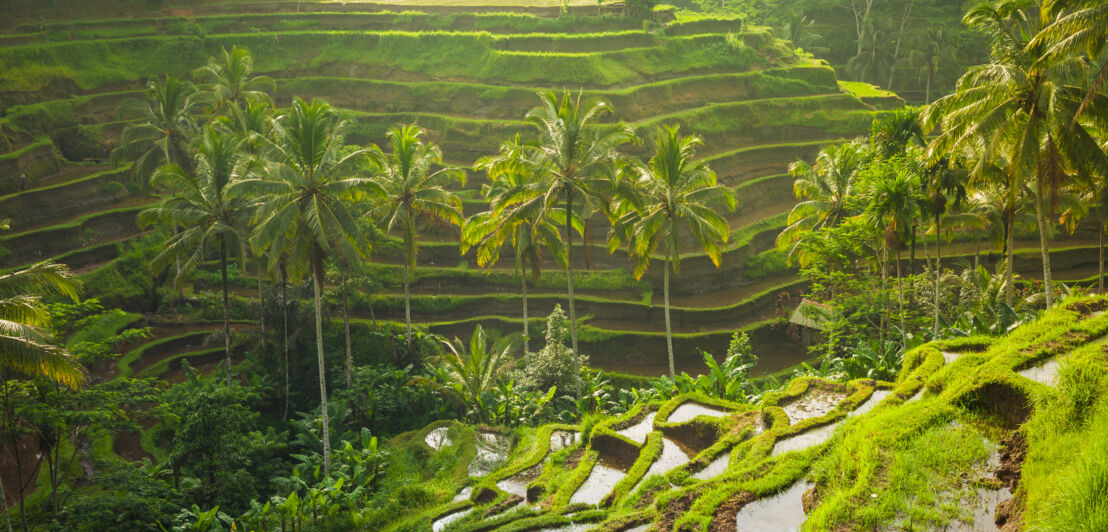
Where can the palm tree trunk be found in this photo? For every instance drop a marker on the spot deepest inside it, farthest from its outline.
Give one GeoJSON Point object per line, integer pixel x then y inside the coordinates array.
{"type": "Point", "coordinates": [884, 263]}
{"type": "Point", "coordinates": [976, 250]}
{"type": "Point", "coordinates": [346, 330]}
{"type": "Point", "coordinates": [669, 331]}
{"type": "Point", "coordinates": [285, 330]}
{"type": "Point", "coordinates": [1100, 259]}
{"type": "Point", "coordinates": [938, 267]}
{"type": "Point", "coordinates": [585, 243]}
{"type": "Point", "coordinates": [927, 93]}
{"type": "Point", "coordinates": [177, 263]}
{"type": "Point", "coordinates": [226, 319]}
{"type": "Point", "coordinates": [526, 334]}
{"type": "Point", "coordinates": [1010, 296]}
{"type": "Point", "coordinates": [900, 294]}
{"type": "Point", "coordinates": [569, 268]}
{"type": "Point", "coordinates": [408, 243]}
{"type": "Point", "coordinates": [261, 302]}
{"type": "Point", "coordinates": [317, 282]}
{"type": "Point", "coordinates": [912, 253]}
{"type": "Point", "coordinates": [523, 278]}
{"type": "Point", "coordinates": [407, 310]}
{"type": "Point", "coordinates": [1044, 241]}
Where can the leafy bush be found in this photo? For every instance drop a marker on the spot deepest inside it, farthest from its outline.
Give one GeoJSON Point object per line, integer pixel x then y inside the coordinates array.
{"type": "Point", "coordinates": [213, 436]}
{"type": "Point", "coordinates": [383, 400]}
{"type": "Point", "coordinates": [556, 365]}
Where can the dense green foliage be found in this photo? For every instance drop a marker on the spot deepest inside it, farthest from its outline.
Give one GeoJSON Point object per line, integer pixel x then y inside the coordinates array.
{"type": "Point", "coordinates": [201, 410]}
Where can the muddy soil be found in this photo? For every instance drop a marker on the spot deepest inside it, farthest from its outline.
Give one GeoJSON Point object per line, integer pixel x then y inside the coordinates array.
{"type": "Point", "coordinates": [1012, 453]}
{"type": "Point", "coordinates": [724, 520]}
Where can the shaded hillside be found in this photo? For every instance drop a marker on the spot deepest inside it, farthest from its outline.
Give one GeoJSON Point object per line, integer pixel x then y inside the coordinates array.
{"type": "Point", "coordinates": [467, 75]}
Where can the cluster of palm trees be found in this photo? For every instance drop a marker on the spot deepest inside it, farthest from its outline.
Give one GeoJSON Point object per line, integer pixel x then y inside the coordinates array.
{"type": "Point", "coordinates": [236, 174]}
{"type": "Point", "coordinates": [1025, 133]}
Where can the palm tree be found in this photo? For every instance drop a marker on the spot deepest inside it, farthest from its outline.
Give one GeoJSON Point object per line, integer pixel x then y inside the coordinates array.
{"type": "Point", "coordinates": [253, 122]}
{"type": "Point", "coordinates": [823, 190]}
{"type": "Point", "coordinates": [205, 211]}
{"type": "Point", "coordinates": [673, 192]}
{"type": "Point", "coordinates": [934, 50]}
{"type": "Point", "coordinates": [411, 188]}
{"type": "Point", "coordinates": [570, 156]}
{"type": "Point", "coordinates": [165, 126]}
{"type": "Point", "coordinates": [996, 183]}
{"type": "Point", "coordinates": [1077, 26]}
{"type": "Point", "coordinates": [890, 135]}
{"type": "Point", "coordinates": [891, 132]}
{"type": "Point", "coordinates": [1022, 104]}
{"type": "Point", "coordinates": [944, 186]}
{"type": "Point", "coordinates": [304, 209]}
{"type": "Point", "coordinates": [230, 82]}
{"type": "Point", "coordinates": [26, 345]}
{"type": "Point", "coordinates": [1083, 201]}
{"type": "Point", "coordinates": [514, 215]}
{"type": "Point", "coordinates": [895, 203]}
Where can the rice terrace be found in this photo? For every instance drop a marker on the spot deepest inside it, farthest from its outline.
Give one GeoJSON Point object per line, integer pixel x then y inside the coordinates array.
{"type": "Point", "coordinates": [553, 265]}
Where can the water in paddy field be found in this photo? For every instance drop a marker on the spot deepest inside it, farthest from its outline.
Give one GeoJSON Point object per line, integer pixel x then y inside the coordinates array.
{"type": "Point", "coordinates": [1045, 373]}
{"type": "Point", "coordinates": [463, 494]}
{"type": "Point", "coordinates": [949, 357]}
{"type": "Point", "coordinates": [716, 468]}
{"type": "Point", "coordinates": [560, 439]}
{"type": "Point", "coordinates": [437, 439]}
{"type": "Point", "coordinates": [986, 498]}
{"type": "Point", "coordinates": [639, 431]}
{"type": "Point", "coordinates": [599, 484]}
{"type": "Point", "coordinates": [517, 484]}
{"type": "Point", "coordinates": [576, 527]}
{"type": "Point", "coordinates": [783, 512]}
{"type": "Point", "coordinates": [814, 403]}
{"type": "Point", "coordinates": [688, 411]}
{"type": "Point", "coordinates": [442, 522]}
{"type": "Point", "coordinates": [874, 399]}
{"type": "Point", "coordinates": [672, 456]}
{"type": "Point", "coordinates": [804, 440]}
{"type": "Point", "coordinates": [492, 450]}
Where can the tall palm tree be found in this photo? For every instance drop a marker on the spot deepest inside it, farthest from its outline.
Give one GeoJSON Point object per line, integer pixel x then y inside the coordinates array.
{"type": "Point", "coordinates": [944, 186]}
{"type": "Point", "coordinates": [305, 212]}
{"type": "Point", "coordinates": [411, 187]}
{"type": "Point", "coordinates": [673, 192]}
{"type": "Point", "coordinates": [571, 156]}
{"type": "Point", "coordinates": [1022, 104]}
{"type": "Point", "coordinates": [165, 125]}
{"type": "Point", "coordinates": [895, 203]}
{"type": "Point", "coordinates": [230, 83]}
{"type": "Point", "coordinates": [515, 216]}
{"type": "Point", "coordinates": [253, 123]}
{"type": "Point", "coordinates": [823, 189]}
{"type": "Point", "coordinates": [930, 54]}
{"type": "Point", "coordinates": [996, 182]}
{"type": "Point", "coordinates": [890, 135]}
{"type": "Point", "coordinates": [205, 211]}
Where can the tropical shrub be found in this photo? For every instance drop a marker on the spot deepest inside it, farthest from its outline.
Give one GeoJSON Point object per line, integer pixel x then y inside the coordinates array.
{"type": "Point", "coordinates": [556, 365]}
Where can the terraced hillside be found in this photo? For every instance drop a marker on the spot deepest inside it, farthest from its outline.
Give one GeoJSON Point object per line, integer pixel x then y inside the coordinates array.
{"type": "Point", "coordinates": [974, 434]}
{"type": "Point", "coordinates": [468, 75]}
